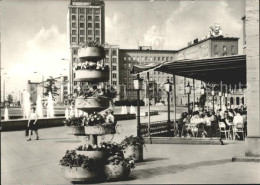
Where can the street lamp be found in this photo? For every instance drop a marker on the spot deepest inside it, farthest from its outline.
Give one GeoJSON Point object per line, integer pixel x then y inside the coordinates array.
{"type": "Point", "coordinates": [202, 92]}
{"type": "Point", "coordinates": [188, 91]}
{"type": "Point", "coordinates": [70, 75]}
{"type": "Point", "coordinates": [42, 83]}
{"type": "Point", "coordinates": [138, 86]}
{"type": "Point", "coordinates": [220, 96]}
{"type": "Point", "coordinates": [213, 94]}
{"type": "Point", "coordinates": [226, 95]}
{"type": "Point", "coordinates": [168, 89]}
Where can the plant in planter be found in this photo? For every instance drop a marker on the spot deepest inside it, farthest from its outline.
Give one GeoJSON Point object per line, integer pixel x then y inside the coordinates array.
{"type": "Point", "coordinates": [96, 124]}
{"type": "Point", "coordinates": [74, 125]}
{"type": "Point", "coordinates": [79, 167]}
{"type": "Point", "coordinates": [133, 146]}
{"type": "Point", "coordinates": [117, 167]}
{"type": "Point", "coordinates": [98, 151]}
{"type": "Point", "coordinates": [91, 66]}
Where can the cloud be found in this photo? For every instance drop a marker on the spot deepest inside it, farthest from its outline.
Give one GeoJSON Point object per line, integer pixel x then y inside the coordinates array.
{"type": "Point", "coordinates": [190, 20]}
{"type": "Point", "coordinates": [43, 54]}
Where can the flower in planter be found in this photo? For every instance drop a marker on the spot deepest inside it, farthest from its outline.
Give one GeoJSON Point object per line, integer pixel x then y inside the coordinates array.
{"type": "Point", "coordinates": [74, 121]}
{"type": "Point", "coordinates": [132, 141]}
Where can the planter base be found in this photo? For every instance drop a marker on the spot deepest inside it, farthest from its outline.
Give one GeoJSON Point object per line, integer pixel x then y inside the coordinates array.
{"type": "Point", "coordinates": [79, 174]}
{"type": "Point", "coordinates": [135, 151]}
{"type": "Point", "coordinates": [116, 172]}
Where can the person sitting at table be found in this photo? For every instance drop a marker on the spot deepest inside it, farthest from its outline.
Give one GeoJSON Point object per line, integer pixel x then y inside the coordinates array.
{"type": "Point", "coordinates": [238, 119]}
{"type": "Point", "coordinates": [181, 123]}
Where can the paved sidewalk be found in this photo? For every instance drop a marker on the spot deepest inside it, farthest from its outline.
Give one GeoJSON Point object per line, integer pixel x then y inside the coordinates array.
{"type": "Point", "coordinates": [37, 162]}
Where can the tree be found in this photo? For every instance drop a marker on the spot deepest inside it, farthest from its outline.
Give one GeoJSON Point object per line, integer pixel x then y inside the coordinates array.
{"type": "Point", "coordinates": [51, 87]}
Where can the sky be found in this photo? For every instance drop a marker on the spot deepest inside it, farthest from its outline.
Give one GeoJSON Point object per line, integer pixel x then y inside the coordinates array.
{"type": "Point", "coordinates": [34, 32]}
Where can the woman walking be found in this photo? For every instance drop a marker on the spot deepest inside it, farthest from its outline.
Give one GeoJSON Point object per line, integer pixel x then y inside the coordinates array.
{"type": "Point", "coordinates": [32, 125]}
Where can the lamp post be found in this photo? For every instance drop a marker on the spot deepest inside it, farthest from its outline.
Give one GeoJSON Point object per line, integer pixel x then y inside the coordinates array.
{"type": "Point", "coordinates": [202, 92]}
{"type": "Point", "coordinates": [138, 86]}
{"type": "Point", "coordinates": [220, 96]}
{"type": "Point", "coordinates": [168, 89]}
{"type": "Point", "coordinates": [213, 94]}
{"type": "Point", "coordinates": [70, 75]}
{"type": "Point", "coordinates": [188, 91]}
{"type": "Point", "coordinates": [226, 95]}
{"type": "Point", "coordinates": [42, 83]}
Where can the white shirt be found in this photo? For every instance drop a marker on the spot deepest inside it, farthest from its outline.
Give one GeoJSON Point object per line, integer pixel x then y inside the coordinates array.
{"type": "Point", "coordinates": [238, 119]}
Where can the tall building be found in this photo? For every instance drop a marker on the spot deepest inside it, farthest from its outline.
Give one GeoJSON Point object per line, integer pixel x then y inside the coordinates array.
{"type": "Point", "coordinates": [86, 22]}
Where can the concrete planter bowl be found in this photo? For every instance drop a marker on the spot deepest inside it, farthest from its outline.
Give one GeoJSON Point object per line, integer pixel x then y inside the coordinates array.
{"type": "Point", "coordinates": [100, 130]}
{"type": "Point", "coordinates": [79, 174]}
{"type": "Point", "coordinates": [91, 104]}
{"type": "Point", "coordinates": [93, 54]}
{"type": "Point", "coordinates": [135, 151]}
{"type": "Point", "coordinates": [116, 172]}
{"type": "Point", "coordinates": [75, 130]}
{"type": "Point", "coordinates": [85, 75]}
{"type": "Point", "coordinates": [94, 154]}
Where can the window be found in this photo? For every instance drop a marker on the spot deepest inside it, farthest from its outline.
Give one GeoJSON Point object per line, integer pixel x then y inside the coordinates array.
{"type": "Point", "coordinates": [81, 39]}
{"type": "Point", "coordinates": [81, 18]}
{"type": "Point", "coordinates": [145, 58]}
{"type": "Point", "coordinates": [97, 32]}
{"type": "Point", "coordinates": [73, 39]}
{"type": "Point", "coordinates": [107, 52]}
{"type": "Point", "coordinates": [114, 61]}
{"type": "Point", "coordinates": [97, 11]}
{"type": "Point", "coordinates": [73, 32]}
{"type": "Point", "coordinates": [167, 58]}
{"type": "Point", "coordinates": [162, 58]}
{"type": "Point", "coordinates": [81, 10]}
{"type": "Point", "coordinates": [114, 52]}
{"type": "Point", "coordinates": [73, 25]}
{"type": "Point", "coordinates": [106, 60]}
{"type": "Point", "coordinates": [73, 10]}
{"type": "Point", "coordinates": [114, 68]}
{"type": "Point", "coordinates": [82, 32]}
{"type": "Point", "coordinates": [81, 25]}
{"type": "Point", "coordinates": [114, 75]}
{"type": "Point", "coordinates": [75, 51]}
{"type": "Point", "coordinates": [89, 18]}
{"type": "Point", "coordinates": [154, 58]}
{"type": "Point", "coordinates": [124, 58]}
{"type": "Point", "coordinates": [171, 58]}
{"type": "Point", "coordinates": [159, 58]}
{"type": "Point", "coordinates": [89, 38]}
{"type": "Point", "coordinates": [233, 50]}
{"type": "Point", "coordinates": [89, 11]}
{"type": "Point", "coordinates": [73, 17]}
{"type": "Point", "coordinates": [98, 39]}
{"type": "Point", "coordinates": [89, 25]}
{"type": "Point", "coordinates": [114, 82]}
{"type": "Point", "coordinates": [225, 48]}
{"type": "Point", "coordinates": [97, 18]}
{"type": "Point", "coordinates": [129, 58]}
{"type": "Point", "coordinates": [216, 49]}
{"type": "Point", "coordinates": [133, 58]}
{"type": "Point", "coordinates": [89, 32]}
{"type": "Point", "coordinates": [97, 25]}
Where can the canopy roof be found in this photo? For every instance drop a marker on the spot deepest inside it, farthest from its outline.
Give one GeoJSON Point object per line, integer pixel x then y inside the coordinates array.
{"type": "Point", "coordinates": [228, 70]}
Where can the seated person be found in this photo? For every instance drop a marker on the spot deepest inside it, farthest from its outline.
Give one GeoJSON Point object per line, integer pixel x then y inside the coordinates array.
{"type": "Point", "coordinates": [181, 122]}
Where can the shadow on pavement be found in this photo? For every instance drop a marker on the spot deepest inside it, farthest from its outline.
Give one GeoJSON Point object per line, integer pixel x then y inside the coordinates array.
{"type": "Point", "coordinates": [172, 169]}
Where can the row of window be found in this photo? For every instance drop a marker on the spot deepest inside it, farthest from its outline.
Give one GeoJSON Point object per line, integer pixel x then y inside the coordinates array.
{"type": "Point", "coordinates": [82, 32]}
{"type": "Point", "coordinates": [82, 39]}
{"type": "Point", "coordinates": [114, 52]}
{"type": "Point", "coordinates": [82, 25]}
{"type": "Point", "coordinates": [146, 58]}
{"type": "Point", "coordinates": [82, 18]}
{"type": "Point", "coordinates": [216, 49]}
{"type": "Point", "coordinates": [82, 10]}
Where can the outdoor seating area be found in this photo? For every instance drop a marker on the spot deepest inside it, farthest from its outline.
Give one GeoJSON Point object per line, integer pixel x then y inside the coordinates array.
{"type": "Point", "coordinates": [228, 124]}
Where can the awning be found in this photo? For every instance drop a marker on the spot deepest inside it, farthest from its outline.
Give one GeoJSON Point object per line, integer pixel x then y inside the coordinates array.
{"type": "Point", "coordinates": [228, 70]}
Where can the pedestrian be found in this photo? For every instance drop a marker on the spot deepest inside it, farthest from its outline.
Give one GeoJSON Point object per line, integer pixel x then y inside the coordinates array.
{"type": "Point", "coordinates": [32, 124]}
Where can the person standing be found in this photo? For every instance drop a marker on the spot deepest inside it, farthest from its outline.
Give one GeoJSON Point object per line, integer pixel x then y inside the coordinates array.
{"type": "Point", "coordinates": [32, 124]}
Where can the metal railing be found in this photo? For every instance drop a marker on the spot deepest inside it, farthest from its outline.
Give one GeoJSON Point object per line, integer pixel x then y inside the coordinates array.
{"type": "Point", "coordinates": [157, 127]}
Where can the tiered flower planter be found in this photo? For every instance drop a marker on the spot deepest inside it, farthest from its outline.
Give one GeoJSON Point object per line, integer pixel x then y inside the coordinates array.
{"type": "Point", "coordinates": [93, 54]}
{"type": "Point", "coordinates": [78, 174]}
{"type": "Point", "coordinates": [91, 104]}
{"type": "Point", "coordinates": [75, 130]}
{"type": "Point", "coordinates": [86, 75]}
